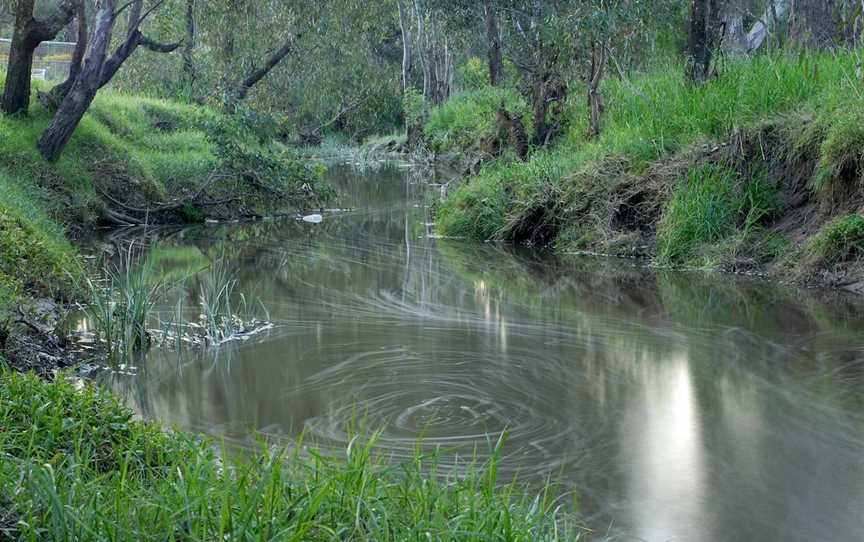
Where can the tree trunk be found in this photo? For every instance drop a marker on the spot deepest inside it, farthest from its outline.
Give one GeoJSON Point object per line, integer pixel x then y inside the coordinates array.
{"type": "Point", "coordinates": [134, 39]}
{"type": "Point", "coordinates": [821, 23]}
{"type": "Point", "coordinates": [16, 94]}
{"type": "Point", "coordinates": [548, 91]}
{"type": "Point", "coordinates": [599, 58]}
{"type": "Point", "coordinates": [189, 47]}
{"type": "Point", "coordinates": [405, 26]}
{"type": "Point", "coordinates": [705, 27]}
{"type": "Point", "coordinates": [760, 31]}
{"type": "Point", "coordinates": [54, 97]}
{"type": "Point", "coordinates": [493, 39]}
{"type": "Point", "coordinates": [28, 34]}
{"type": "Point", "coordinates": [83, 91]}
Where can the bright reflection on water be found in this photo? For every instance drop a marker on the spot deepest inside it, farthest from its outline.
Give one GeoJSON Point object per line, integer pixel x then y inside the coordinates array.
{"type": "Point", "coordinates": [677, 406]}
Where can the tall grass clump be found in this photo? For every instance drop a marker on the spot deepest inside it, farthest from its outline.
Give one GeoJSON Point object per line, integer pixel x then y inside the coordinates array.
{"type": "Point", "coordinates": [841, 240]}
{"type": "Point", "coordinates": [466, 119]}
{"type": "Point", "coordinates": [225, 315]}
{"type": "Point", "coordinates": [121, 305]}
{"type": "Point", "coordinates": [711, 204]}
{"type": "Point", "coordinates": [77, 466]}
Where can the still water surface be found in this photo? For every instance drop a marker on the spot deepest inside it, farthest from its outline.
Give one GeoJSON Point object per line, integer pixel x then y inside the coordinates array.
{"type": "Point", "coordinates": [677, 406]}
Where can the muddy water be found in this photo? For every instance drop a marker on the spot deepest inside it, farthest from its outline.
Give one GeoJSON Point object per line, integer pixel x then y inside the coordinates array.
{"type": "Point", "coordinates": [676, 406]}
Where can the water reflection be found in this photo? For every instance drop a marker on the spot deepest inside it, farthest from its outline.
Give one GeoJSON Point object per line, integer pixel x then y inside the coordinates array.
{"type": "Point", "coordinates": [678, 406]}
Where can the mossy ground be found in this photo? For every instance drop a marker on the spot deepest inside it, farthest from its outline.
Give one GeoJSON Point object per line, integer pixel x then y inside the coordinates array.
{"type": "Point", "coordinates": [732, 174]}
{"type": "Point", "coordinates": [75, 465]}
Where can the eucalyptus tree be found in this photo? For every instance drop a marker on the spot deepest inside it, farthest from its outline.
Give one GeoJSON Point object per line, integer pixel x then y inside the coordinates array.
{"type": "Point", "coordinates": [29, 33]}
{"type": "Point", "coordinates": [97, 68]}
{"type": "Point", "coordinates": [704, 33]}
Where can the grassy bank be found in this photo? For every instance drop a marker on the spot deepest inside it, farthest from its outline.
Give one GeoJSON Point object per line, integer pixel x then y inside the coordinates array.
{"type": "Point", "coordinates": [751, 171]}
{"type": "Point", "coordinates": [76, 466]}
{"type": "Point", "coordinates": [133, 160]}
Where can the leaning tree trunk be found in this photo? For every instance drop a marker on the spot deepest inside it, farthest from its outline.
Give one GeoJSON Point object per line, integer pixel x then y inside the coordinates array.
{"type": "Point", "coordinates": [54, 97]}
{"type": "Point", "coordinates": [134, 39]}
{"type": "Point", "coordinates": [241, 91]}
{"type": "Point", "coordinates": [83, 91]}
{"type": "Point", "coordinates": [28, 34]}
{"type": "Point", "coordinates": [493, 39]}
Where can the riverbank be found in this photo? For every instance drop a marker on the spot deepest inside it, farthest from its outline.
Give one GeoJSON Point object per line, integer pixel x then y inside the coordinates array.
{"type": "Point", "coordinates": [76, 466]}
{"type": "Point", "coordinates": [758, 171]}
{"type": "Point", "coordinates": [132, 161]}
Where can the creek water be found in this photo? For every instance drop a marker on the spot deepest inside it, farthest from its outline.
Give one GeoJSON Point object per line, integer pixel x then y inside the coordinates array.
{"type": "Point", "coordinates": [676, 406]}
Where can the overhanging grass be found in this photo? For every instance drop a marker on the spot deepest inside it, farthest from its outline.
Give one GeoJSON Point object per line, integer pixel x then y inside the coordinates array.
{"type": "Point", "coordinates": [653, 125]}
{"type": "Point", "coordinates": [75, 465]}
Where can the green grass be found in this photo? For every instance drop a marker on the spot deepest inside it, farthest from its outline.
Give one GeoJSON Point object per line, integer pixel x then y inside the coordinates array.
{"type": "Point", "coordinates": [841, 240]}
{"type": "Point", "coordinates": [35, 256]}
{"type": "Point", "coordinates": [142, 152]}
{"type": "Point", "coordinates": [711, 205]}
{"type": "Point", "coordinates": [77, 466]}
{"type": "Point", "coordinates": [469, 118]}
{"type": "Point", "coordinates": [656, 128]}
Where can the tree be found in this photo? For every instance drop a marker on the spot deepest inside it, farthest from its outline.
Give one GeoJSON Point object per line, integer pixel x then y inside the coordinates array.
{"type": "Point", "coordinates": [29, 33]}
{"type": "Point", "coordinates": [704, 35]}
{"type": "Point", "coordinates": [493, 43]}
{"type": "Point", "coordinates": [825, 23]}
{"type": "Point", "coordinates": [96, 71]}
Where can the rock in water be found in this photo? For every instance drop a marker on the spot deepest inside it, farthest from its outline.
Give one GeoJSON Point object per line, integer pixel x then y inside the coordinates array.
{"type": "Point", "coordinates": [313, 219]}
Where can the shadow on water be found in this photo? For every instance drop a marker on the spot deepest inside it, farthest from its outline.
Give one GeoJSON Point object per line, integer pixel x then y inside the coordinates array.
{"type": "Point", "coordinates": [678, 406]}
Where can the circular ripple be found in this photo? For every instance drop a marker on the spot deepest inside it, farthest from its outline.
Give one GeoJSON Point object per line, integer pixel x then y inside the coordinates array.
{"type": "Point", "coordinates": [454, 402]}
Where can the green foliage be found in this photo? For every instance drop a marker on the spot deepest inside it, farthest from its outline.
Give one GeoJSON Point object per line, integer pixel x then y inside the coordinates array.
{"type": "Point", "coordinates": [710, 205]}
{"type": "Point", "coordinates": [841, 240]}
{"type": "Point", "coordinates": [34, 254]}
{"type": "Point", "coordinates": [474, 74]}
{"type": "Point", "coordinates": [272, 173]}
{"type": "Point", "coordinates": [468, 118]}
{"type": "Point", "coordinates": [414, 107]}
{"type": "Point", "coordinates": [648, 119]}
{"type": "Point", "coordinates": [841, 149]}
{"type": "Point", "coordinates": [75, 465]}
{"type": "Point", "coordinates": [120, 308]}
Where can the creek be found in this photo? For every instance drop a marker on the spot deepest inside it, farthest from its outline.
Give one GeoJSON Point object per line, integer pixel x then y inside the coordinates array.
{"type": "Point", "coordinates": [674, 406]}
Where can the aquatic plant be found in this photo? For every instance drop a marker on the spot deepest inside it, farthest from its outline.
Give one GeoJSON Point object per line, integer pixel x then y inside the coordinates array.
{"type": "Point", "coordinates": [224, 315]}
{"type": "Point", "coordinates": [120, 306]}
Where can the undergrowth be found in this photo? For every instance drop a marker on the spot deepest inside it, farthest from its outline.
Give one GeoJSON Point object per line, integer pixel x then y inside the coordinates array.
{"type": "Point", "coordinates": [75, 465]}
{"type": "Point", "coordinates": [638, 180]}
{"type": "Point", "coordinates": [469, 118]}
{"type": "Point", "coordinates": [711, 205]}
{"type": "Point", "coordinates": [131, 154]}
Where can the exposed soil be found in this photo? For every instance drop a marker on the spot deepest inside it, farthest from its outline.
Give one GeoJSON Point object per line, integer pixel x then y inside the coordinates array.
{"type": "Point", "coordinates": [32, 343]}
